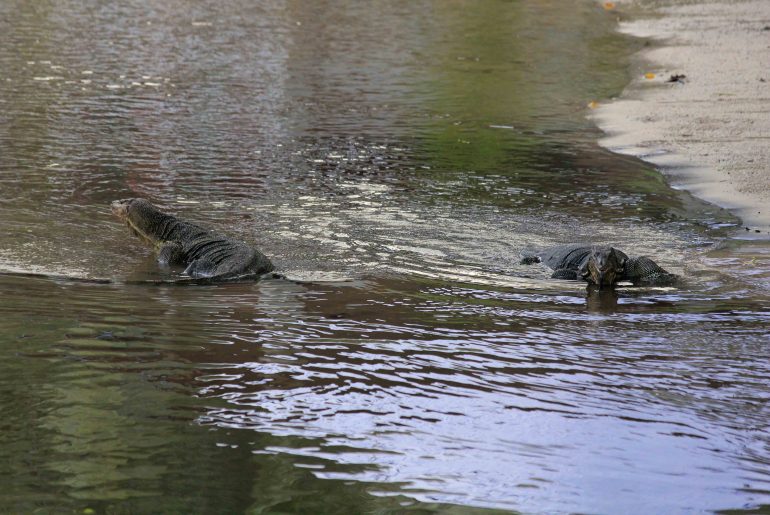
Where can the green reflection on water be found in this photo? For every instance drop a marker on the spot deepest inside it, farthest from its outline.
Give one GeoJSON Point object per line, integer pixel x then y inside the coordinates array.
{"type": "Point", "coordinates": [503, 78]}
{"type": "Point", "coordinates": [103, 416]}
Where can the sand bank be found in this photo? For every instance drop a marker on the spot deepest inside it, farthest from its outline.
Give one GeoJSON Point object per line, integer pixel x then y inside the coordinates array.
{"type": "Point", "coordinates": [709, 132]}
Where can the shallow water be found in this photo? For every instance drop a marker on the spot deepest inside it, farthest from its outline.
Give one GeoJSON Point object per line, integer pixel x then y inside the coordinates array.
{"type": "Point", "coordinates": [394, 161]}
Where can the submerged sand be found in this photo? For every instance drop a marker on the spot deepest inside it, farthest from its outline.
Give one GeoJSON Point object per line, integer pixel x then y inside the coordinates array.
{"type": "Point", "coordinates": [709, 131]}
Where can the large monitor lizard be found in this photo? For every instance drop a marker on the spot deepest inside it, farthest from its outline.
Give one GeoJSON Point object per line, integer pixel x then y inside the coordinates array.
{"type": "Point", "coordinates": [205, 254]}
{"type": "Point", "coordinates": [601, 265]}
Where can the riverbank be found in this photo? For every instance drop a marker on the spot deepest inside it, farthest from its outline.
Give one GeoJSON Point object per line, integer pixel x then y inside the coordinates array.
{"type": "Point", "coordinates": [699, 104]}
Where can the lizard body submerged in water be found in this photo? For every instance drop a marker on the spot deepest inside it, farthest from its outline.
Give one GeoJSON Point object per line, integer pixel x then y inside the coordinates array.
{"type": "Point", "coordinates": [601, 265]}
{"type": "Point", "coordinates": [205, 254]}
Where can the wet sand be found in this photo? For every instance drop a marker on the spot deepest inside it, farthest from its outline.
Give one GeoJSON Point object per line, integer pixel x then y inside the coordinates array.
{"type": "Point", "coordinates": [709, 132]}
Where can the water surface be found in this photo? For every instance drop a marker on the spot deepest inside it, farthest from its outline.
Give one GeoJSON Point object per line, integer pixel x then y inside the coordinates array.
{"type": "Point", "coordinates": [394, 161]}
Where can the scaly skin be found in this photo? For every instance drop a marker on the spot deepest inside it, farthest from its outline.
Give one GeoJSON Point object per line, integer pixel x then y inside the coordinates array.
{"type": "Point", "coordinates": [205, 254]}
{"type": "Point", "coordinates": [603, 266]}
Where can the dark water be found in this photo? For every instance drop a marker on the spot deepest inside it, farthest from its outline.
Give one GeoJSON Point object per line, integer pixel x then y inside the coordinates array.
{"type": "Point", "coordinates": [393, 159]}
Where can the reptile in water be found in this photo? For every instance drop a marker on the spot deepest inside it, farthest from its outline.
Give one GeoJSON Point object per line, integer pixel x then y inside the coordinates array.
{"type": "Point", "coordinates": [601, 265]}
{"type": "Point", "coordinates": [205, 254]}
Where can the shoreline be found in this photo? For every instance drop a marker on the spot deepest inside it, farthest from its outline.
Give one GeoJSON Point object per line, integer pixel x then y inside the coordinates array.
{"type": "Point", "coordinates": [709, 131]}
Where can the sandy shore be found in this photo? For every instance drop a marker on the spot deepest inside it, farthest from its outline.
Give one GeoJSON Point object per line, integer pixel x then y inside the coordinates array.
{"type": "Point", "coordinates": [709, 132]}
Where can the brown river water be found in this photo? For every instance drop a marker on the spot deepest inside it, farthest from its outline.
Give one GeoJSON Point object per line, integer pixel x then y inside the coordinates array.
{"type": "Point", "coordinates": [393, 159]}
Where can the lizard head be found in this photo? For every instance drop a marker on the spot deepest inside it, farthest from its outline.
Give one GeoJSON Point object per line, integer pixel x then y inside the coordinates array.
{"type": "Point", "coordinates": [139, 214]}
{"type": "Point", "coordinates": [120, 208]}
{"type": "Point", "coordinates": [605, 266]}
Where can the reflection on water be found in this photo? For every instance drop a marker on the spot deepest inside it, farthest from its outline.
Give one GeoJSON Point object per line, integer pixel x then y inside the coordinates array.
{"type": "Point", "coordinates": [433, 390]}
{"type": "Point", "coordinates": [393, 160]}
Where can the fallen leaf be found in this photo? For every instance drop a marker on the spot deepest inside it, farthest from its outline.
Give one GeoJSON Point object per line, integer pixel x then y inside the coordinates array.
{"type": "Point", "coordinates": [609, 5]}
{"type": "Point", "coordinates": [649, 75]}
{"type": "Point", "coordinates": [593, 104]}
